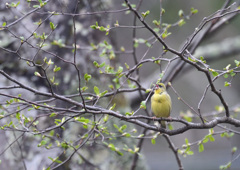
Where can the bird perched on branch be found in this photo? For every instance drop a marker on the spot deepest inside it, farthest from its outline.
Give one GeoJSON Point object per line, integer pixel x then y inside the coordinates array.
{"type": "Point", "coordinates": [161, 104]}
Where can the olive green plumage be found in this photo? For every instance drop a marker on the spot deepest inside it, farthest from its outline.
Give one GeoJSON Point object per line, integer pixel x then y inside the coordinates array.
{"type": "Point", "coordinates": [161, 103]}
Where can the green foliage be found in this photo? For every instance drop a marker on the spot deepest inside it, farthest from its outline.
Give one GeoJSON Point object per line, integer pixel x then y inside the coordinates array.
{"type": "Point", "coordinates": [97, 92]}
{"type": "Point", "coordinates": [56, 160]}
{"type": "Point", "coordinates": [187, 116]}
{"type": "Point", "coordinates": [56, 69]}
{"type": "Point", "coordinates": [58, 43]}
{"type": "Point", "coordinates": [186, 149]}
{"type": "Point", "coordinates": [234, 149]}
{"type": "Point", "coordinates": [194, 11]}
{"type": "Point", "coordinates": [157, 23]}
{"type": "Point", "coordinates": [170, 126]}
{"type": "Point", "coordinates": [101, 28]}
{"type": "Point", "coordinates": [4, 24]}
{"type": "Point", "coordinates": [191, 59]}
{"type": "Point", "coordinates": [206, 139]}
{"type": "Point", "coordinates": [143, 105]}
{"type": "Point", "coordinates": [37, 74]}
{"type": "Point", "coordinates": [13, 4]}
{"type": "Point", "coordinates": [165, 34]}
{"type": "Point", "coordinates": [129, 113]}
{"type": "Point", "coordinates": [120, 129]}
{"type": "Point", "coordinates": [87, 77]}
{"type": "Point", "coordinates": [202, 59]}
{"type": "Point", "coordinates": [141, 41]}
{"type": "Point", "coordinates": [52, 26]}
{"type": "Point", "coordinates": [112, 107]}
{"type": "Point", "coordinates": [145, 14]}
{"type": "Point", "coordinates": [41, 4]}
{"type": "Point", "coordinates": [214, 72]}
{"type": "Point", "coordinates": [114, 148]}
{"type": "Point", "coordinates": [153, 139]}
{"type": "Point", "coordinates": [227, 166]}
{"type": "Point", "coordinates": [180, 13]}
{"type": "Point", "coordinates": [200, 147]}
{"type": "Point", "coordinates": [237, 63]}
{"type": "Point", "coordinates": [58, 117]}
{"type": "Point", "coordinates": [132, 151]}
{"type": "Point", "coordinates": [181, 22]}
{"type": "Point", "coordinates": [227, 135]}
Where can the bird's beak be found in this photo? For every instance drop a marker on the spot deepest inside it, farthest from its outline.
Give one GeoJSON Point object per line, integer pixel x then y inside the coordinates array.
{"type": "Point", "coordinates": [156, 87]}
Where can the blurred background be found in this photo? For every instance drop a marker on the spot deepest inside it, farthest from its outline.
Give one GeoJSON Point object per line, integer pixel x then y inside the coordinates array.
{"type": "Point", "coordinates": [219, 49]}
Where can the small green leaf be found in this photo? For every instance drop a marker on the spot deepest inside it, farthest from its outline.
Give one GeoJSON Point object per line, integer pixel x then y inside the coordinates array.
{"type": "Point", "coordinates": [202, 59]}
{"type": "Point", "coordinates": [165, 34]}
{"type": "Point", "coordinates": [144, 14]}
{"type": "Point", "coordinates": [111, 146]}
{"type": "Point", "coordinates": [181, 22]}
{"type": "Point", "coordinates": [96, 90]}
{"type": "Point", "coordinates": [56, 69]}
{"type": "Point", "coordinates": [105, 119]}
{"type": "Point", "coordinates": [187, 118]}
{"type": "Point", "coordinates": [225, 75]}
{"type": "Point", "coordinates": [102, 28]}
{"type": "Point", "coordinates": [116, 126]}
{"type": "Point", "coordinates": [232, 74]}
{"type": "Point", "coordinates": [112, 107]}
{"type": "Point", "coordinates": [214, 73]}
{"type": "Point", "coordinates": [84, 88]}
{"type": "Point", "coordinates": [227, 67]}
{"type": "Point", "coordinates": [191, 59]}
{"type": "Point", "coordinates": [194, 11]}
{"type": "Point", "coordinates": [234, 149]}
{"type": "Point", "coordinates": [37, 74]}
{"type": "Point", "coordinates": [85, 126]}
{"type": "Point", "coordinates": [153, 141]}
{"type": "Point", "coordinates": [129, 113]}
{"type": "Point", "coordinates": [190, 152]}
{"type": "Point", "coordinates": [36, 6]}
{"type": "Point", "coordinates": [123, 127]}
{"type": "Point", "coordinates": [101, 65]}
{"type": "Point", "coordinates": [120, 69]}
{"type": "Point", "coordinates": [43, 142]}
{"type": "Point", "coordinates": [118, 152]}
{"type": "Point", "coordinates": [93, 27]}
{"type": "Point", "coordinates": [52, 26]}
{"type": "Point", "coordinates": [87, 77]}
{"type": "Point", "coordinates": [143, 105]}
{"type": "Point", "coordinates": [200, 147]}
{"type": "Point", "coordinates": [186, 141]}
{"type": "Point", "coordinates": [127, 66]}
{"type": "Point", "coordinates": [211, 138]}
{"type": "Point", "coordinates": [237, 63]}
{"type": "Point", "coordinates": [205, 140]}
{"type": "Point", "coordinates": [227, 84]}
{"type": "Point", "coordinates": [140, 65]}
{"type": "Point", "coordinates": [157, 23]}
{"type": "Point", "coordinates": [162, 11]}
{"type": "Point", "coordinates": [50, 62]}
{"type": "Point", "coordinates": [103, 93]}
{"type": "Point", "coordinates": [180, 13]}
{"type": "Point", "coordinates": [170, 126]}
{"type": "Point", "coordinates": [227, 166]}
{"type": "Point", "coordinates": [52, 114]}
{"type": "Point", "coordinates": [96, 64]}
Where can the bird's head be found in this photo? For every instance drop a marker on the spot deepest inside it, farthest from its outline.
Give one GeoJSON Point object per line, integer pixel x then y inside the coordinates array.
{"type": "Point", "coordinates": [160, 87]}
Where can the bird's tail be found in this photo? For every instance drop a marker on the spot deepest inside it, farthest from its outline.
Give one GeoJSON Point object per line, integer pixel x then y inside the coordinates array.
{"type": "Point", "coordinates": [163, 124]}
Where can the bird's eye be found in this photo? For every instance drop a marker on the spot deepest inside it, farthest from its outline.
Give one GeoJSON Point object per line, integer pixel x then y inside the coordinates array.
{"type": "Point", "coordinates": [160, 85]}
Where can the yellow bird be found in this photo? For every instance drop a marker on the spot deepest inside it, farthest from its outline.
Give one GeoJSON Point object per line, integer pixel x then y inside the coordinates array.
{"type": "Point", "coordinates": [161, 104]}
